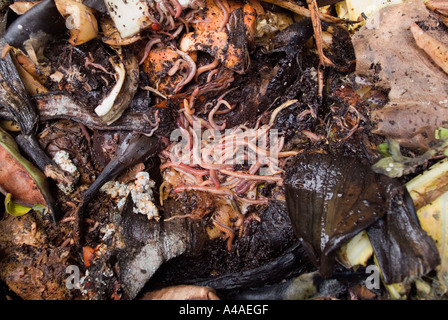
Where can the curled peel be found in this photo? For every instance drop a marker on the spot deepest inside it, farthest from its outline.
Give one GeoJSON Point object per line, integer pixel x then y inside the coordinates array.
{"type": "Point", "coordinates": [26, 185]}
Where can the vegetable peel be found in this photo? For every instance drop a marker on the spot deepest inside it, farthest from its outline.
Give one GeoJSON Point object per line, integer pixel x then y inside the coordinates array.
{"type": "Point", "coordinates": [79, 19]}
{"type": "Point", "coordinates": [429, 191]}
{"type": "Point", "coordinates": [119, 99]}
{"type": "Point", "coordinates": [429, 185]}
{"type": "Point", "coordinates": [130, 16]}
{"type": "Point", "coordinates": [19, 177]}
{"type": "Point", "coordinates": [106, 105]}
{"type": "Point", "coordinates": [435, 49]}
{"type": "Point", "coordinates": [388, 56]}
{"type": "Point", "coordinates": [434, 219]}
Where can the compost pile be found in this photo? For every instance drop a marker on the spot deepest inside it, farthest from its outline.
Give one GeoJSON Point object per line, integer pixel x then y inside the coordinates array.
{"type": "Point", "coordinates": [223, 149]}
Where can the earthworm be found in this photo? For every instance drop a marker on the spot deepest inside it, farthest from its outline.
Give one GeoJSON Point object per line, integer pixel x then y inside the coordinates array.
{"type": "Point", "coordinates": [186, 134]}
{"type": "Point", "coordinates": [184, 167]}
{"type": "Point", "coordinates": [175, 67]}
{"type": "Point", "coordinates": [280, 108]}
{"type": "Point", "coordinates": [191, 72]}
{"type": "Point", "coordinates": [160, 12]}
{"type": "Point", "coordinates": [179, 30]}
{"type": "Point", "coordinates": [88, 62]}
{"type": "Point", "coordinates": [312, 136]}
{"type": "Point", "coordinates": [193, 96]}
{"type": "Point", "coordinates": [214, 178]}
{"type": "Point", "coordinates": [190, 15]}
{"type": "Point", "coordinates": [243, 185]}
{"type": "Point", "coordinates": [177, 8]}
{"type": "Point", "coordinates": [225, 13]}
{"type": "Point", "coordinates": [71, 218]}
{"type": "Point", "coordinates": [206, 182]}
{"type": "Point", "coordinates": [168, 7]}
{"type": "Point", "coordinates": [228, 231]}
{"type": "Point", "coordinates": [250, 176]}
{"type": "Point", "coordinates": [262, 201]}
{"type": "Point", "coordinates": [212, 113]}
{"type": "Point", "coordinates": [211, 74]}
{"type": "Point", "coordinates": [148, 47]}
{"type": "Point", "coordinates": [206, 68]}
{"type": "Point", "coordinates": [197, 4]}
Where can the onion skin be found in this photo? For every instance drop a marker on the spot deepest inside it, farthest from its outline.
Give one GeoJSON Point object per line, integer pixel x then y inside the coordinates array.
{"type": "Point", "coordinates": [80, 20]}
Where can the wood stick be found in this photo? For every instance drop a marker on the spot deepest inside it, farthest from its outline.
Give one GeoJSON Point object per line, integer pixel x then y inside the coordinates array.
{"type": "Point", "coordinates": [317, 26]}
{"type": "Point", "coordinates": [302, 11]}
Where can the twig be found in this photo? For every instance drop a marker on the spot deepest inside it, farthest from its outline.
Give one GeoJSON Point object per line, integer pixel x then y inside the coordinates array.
{"type": "Point", "coordinates": [294, 7]}
{"type": "Point", "coordinates": [314, 11]}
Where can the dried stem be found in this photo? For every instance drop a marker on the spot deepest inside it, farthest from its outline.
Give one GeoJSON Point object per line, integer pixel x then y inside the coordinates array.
{"type": "Point", "coordinates": [294, 7]}
{"type": "Point", "coordinates": [317, 26]}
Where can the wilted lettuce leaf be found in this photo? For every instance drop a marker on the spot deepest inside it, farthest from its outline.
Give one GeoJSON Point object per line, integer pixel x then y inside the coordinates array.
{"type": "Point", "coordinates": [396, 165]}
{"type": "Point", "coordinates": [14, 208]}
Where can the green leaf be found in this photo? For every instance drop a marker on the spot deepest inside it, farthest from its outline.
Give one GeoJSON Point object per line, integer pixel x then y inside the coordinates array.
{"type": "Point", "coordinates": [383, 149]}
{"type": "Point", "coordinates": [40, 208]}
{"type": "Point", "coordinates": [441, 133]}
{"type": "Point", "coordinates": [391, 168]}
{"type": "Point", "coordinates": [397, 165]}
{"type": "Point", "coordinates": [14, 208]}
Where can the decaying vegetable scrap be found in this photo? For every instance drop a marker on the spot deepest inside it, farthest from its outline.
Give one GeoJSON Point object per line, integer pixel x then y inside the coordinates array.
{"type": "Point", "coordinates": [30, 266]}
{"type": "Point", "coordinates": [432, 212]}
{"type": "Point", "coordinates": [324, 214]}
{"type": "Point", "coordinates": [223, 149]}
{"type": "Point", "coordinates": [20, 178]}
{"type": "Point", "coordinates": [411, 116]}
